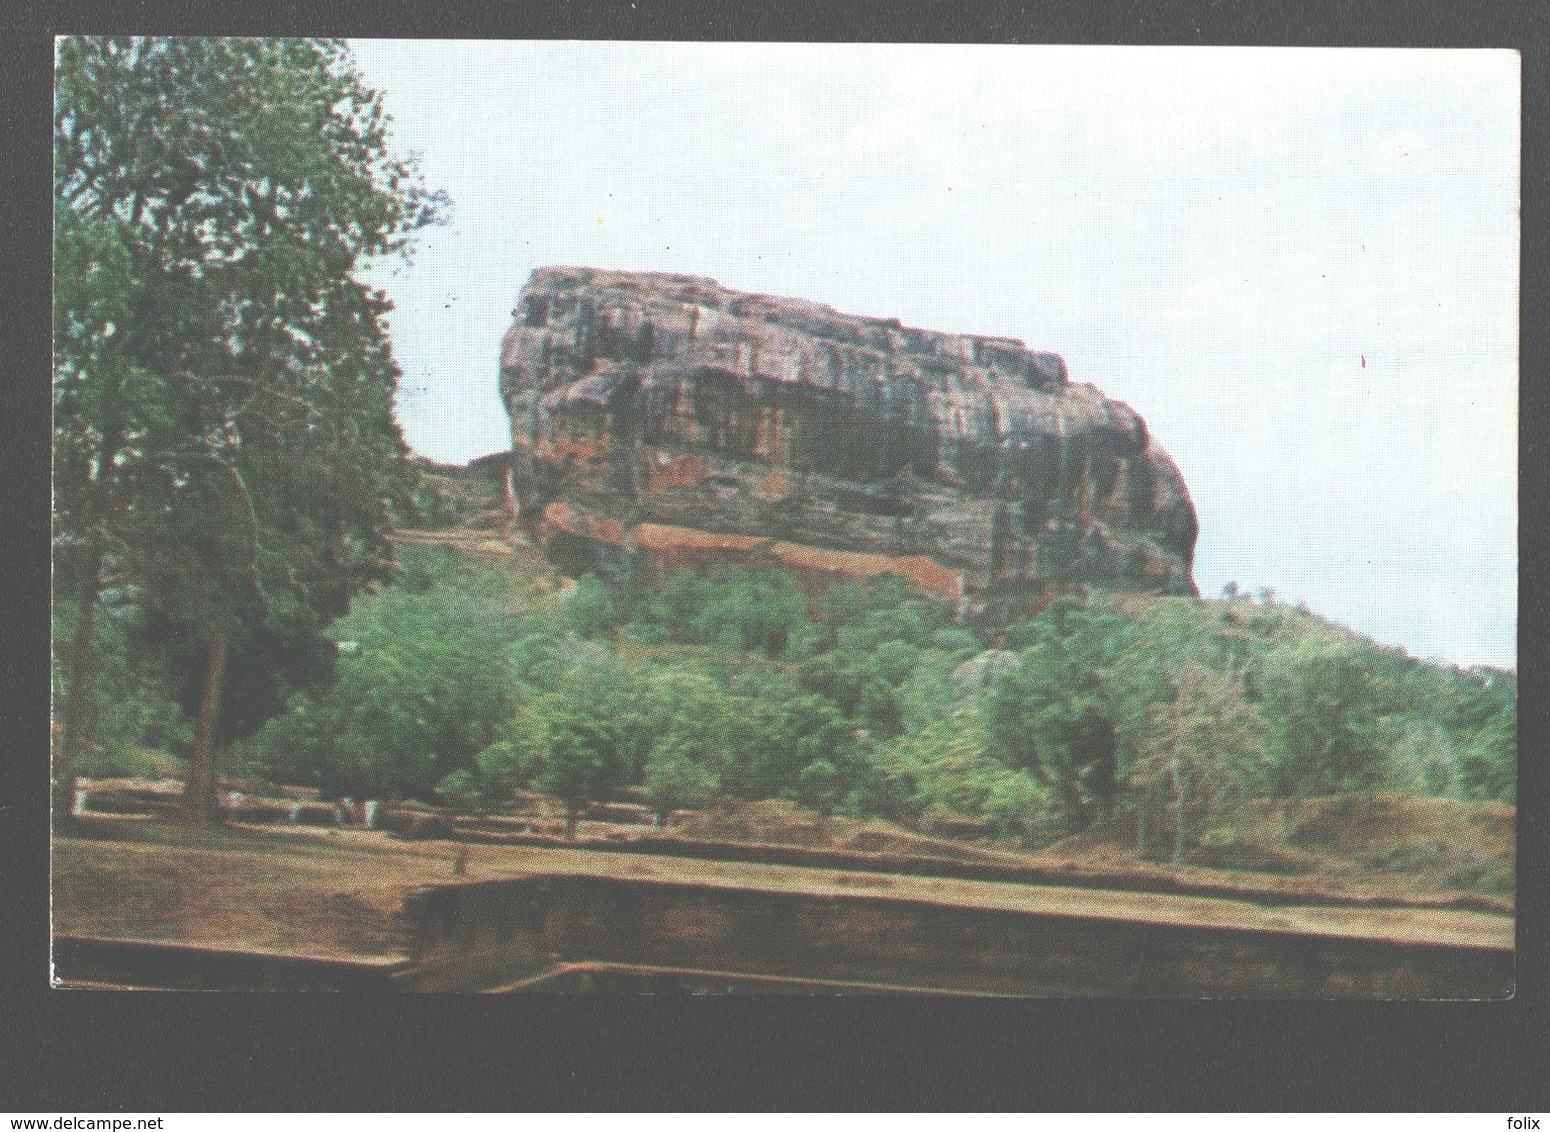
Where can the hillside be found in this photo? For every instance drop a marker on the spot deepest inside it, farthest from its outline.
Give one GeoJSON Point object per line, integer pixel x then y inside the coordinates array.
{"type": "Point", "coordinates": [870, 706]}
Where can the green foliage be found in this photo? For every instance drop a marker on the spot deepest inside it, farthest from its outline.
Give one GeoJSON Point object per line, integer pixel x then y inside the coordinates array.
{"type": "Point", "coordinates": [573, 753]}
{"type": "Point", "coordinates": [1322, 698]}
{"type": "Point", "coordinates": [733, 610]}
{"type": "Point", "coordinates": [819, 786]}
{"type": "Point", "coordinates": [632, 699]}
{"type": "Point", "coordinates": [1488, 766]}
{"type": "Point", "coordinates": [931, 692]}
{"type": "Point", "coordinates": [1048, 715]}
{"type": "Point", "coordinates": [956, 641]}
{"type": "Point", "coordinates": [224, 386]}
{"type": "Point", "coordinates": [1204, 747]}
{"type": "Point", "coordinates": [1418, 758]}
{"type": "Point", "coordinates": [945, 765]}
{"type": "Point", "coordinates": [224, 442]}
{"type": "Point", "coordinates": [130, 713]}
{"type": "Point", "coordinates": [675, 781]}
{"type": "Point", "coordinates": [589, 612]}
{"type": "Point", "coordinates": [422, 687]}
{"type": "Point", "coordinates": [1170, 708]}
{"type": "Point", "coordinates": [461, 790]}
{"type": "Point", "coordinates": [886, 613]}
{"type": "Point", "coordinates": [892, 661]}
{"type": "Point", "coordinates": [1019, 805]}
{"type": "Point", "coordinates": [853, 681]}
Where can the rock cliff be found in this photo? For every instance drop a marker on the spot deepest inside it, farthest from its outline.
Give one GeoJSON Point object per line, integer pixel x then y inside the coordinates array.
{"type": "Point", "coordinates": [663, 420]}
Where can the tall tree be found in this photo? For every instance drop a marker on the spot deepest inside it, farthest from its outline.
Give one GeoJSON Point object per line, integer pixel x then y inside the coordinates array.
{"type": "Point", "coordinates": [576, 756]}
{"type": "Point", "coordinates": [676, 781]}
{"type": "Point", "coordinates": [1049, 715]}
{"type": "Point", "coordinates": [98, 392]}
{"type": "Point", "coordinates": [1321, 695]}
{"type": "Point", "coordinates": [225, 448]}
{"type": "Point", "coordinates": [1205, 747]}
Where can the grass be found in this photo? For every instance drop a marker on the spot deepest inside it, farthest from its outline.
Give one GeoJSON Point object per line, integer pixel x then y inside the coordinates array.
{"type": "Point", "coordinates": [1404, 845]}
{"type": "Point", "coordinates": [154, 880]}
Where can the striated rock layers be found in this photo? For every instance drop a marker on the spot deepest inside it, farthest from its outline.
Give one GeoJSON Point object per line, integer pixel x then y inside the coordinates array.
{"type": "Point", "coordinates": [661, 421]}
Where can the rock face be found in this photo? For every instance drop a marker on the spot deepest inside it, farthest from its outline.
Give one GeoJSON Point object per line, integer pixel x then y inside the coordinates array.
{"type": "Point", "coordinates": [662, 421]}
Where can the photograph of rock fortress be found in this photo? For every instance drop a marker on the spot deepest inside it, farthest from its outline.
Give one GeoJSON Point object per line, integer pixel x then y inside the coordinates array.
{"type": "Point", "coordinates": [783, 651]}
{"type": "Point", "coordinates": [664, 429]}
{"type": "Point", "coordinates": [668, 419]}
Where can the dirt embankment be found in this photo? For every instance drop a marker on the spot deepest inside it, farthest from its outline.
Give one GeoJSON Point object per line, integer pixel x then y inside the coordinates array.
{"type": "Point", "coordinates": [1419, 849]}
{"type": "Point", "coordinates": [1354, 851]}
{"type": "Point", "coordinates": [341, 893]}
{"type": "Point", "coordinates": [774, 822]}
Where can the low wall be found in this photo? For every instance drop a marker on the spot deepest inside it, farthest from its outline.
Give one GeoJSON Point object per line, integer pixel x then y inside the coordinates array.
{"type": "Point", "coordinates": [489, 934]}
{"type": "Point", "coordinates": [1072, 875]}
{"type": "Point", "coordinates": [134, 964]}
{"type": "Point", "coordinates": [621, 978]}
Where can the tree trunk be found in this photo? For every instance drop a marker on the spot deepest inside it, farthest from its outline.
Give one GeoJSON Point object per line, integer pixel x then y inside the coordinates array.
{"type": "Point", "coordinates": [73, 720]}
{"type": "Point", "coordinates": [1071, 800]}
{"type": "Point", "coordinates": [199, 793]}
{"type": "Point", "coordinates": [570, 823]}
{"type": "Point", "coordinates": [1178, 819]}
{"type": "Point", "coordinates": [73, 724]}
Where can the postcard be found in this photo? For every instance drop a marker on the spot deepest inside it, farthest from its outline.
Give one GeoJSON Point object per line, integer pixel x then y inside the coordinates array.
{"type": "Point", "coordinates": [708, 518]}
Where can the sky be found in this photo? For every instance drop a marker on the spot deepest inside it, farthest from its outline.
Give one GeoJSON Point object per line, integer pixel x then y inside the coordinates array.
{"type": "Point", "coordinates": [1299, 266]}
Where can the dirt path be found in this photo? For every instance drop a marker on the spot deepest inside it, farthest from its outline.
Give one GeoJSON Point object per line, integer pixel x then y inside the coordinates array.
{"type": "Point", "coordinates": [338, 893]}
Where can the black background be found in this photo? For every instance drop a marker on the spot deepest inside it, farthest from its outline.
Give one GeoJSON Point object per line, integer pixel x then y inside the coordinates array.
{"type": "Point", "coordinates": [102, 1052]}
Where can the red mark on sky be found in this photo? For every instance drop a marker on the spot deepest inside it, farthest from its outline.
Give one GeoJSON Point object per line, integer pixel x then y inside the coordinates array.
{"type": "Point", "coordinates": [1364, 361]}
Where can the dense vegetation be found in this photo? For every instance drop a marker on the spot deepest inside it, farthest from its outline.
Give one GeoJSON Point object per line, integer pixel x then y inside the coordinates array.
{"type": "Point", "coordinates": [227, 470]}
{"type": "Point", "coordinates": [227, 473]}
{"type": "Point", "coordinates": [471, 681]}
{"type": "Point", "coordinates": [226, 459]}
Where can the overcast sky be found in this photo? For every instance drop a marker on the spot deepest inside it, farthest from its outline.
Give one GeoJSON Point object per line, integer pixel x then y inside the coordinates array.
{"type": "Point", "coordinates": [1218, 237]}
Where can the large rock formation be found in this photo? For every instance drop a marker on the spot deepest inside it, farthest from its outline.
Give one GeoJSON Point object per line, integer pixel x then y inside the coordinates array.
{"type": "Point", "coordinates": [663, 420]}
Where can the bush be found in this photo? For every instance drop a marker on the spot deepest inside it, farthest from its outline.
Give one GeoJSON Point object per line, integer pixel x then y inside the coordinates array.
{"type": "Point", "coordinates": [425, 688]}
{"type": "Point", "coordinates": [589, 612]}
{"type": "Point", "coordinates": [130, 762]}
{"type": "Point", "coordinates": [460, 791]}
{"type": "Point", "coordinates": [733, 610]}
